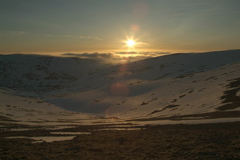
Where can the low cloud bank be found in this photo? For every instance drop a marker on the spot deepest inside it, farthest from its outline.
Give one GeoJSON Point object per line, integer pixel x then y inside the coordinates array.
{"type": "Point", "coordinates": [117, 57]}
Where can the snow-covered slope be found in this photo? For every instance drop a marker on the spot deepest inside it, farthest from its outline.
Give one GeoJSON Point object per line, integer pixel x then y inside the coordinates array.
{"type": "Point", "coordinates": [177, 86]}
{"type": "Point", "coordinates": [43, 73]}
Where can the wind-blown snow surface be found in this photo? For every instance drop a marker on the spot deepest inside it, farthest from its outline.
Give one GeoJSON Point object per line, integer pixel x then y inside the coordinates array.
{"type": "Point", "coordinates": [185, 86]}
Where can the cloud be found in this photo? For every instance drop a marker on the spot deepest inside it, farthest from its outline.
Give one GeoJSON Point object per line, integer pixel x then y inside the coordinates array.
{"type": "Point", "coordinates": [118, 57]}
{"type": "Point", "coordinates": [89, 37]}
{"type": "Point", "coordinates": [12, 33]}
{"type": "Point", "coordinates": [67, 36]}
{"type": "Point", "coordinates": [91, 55]}
{"type": "Point", "coordinates": [71, 36]}
{"type": "Point", "coordinates": [49, 35]}
{"type": "Point", "coordinates": [143, 43]}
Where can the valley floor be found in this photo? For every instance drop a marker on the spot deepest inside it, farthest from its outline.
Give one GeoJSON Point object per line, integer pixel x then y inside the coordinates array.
{"type": "Point", "coordinates": [167, 142]}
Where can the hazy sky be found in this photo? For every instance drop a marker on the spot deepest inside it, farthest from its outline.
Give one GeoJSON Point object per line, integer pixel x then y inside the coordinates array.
{"type": "Point", "coordinates": [33, 26]}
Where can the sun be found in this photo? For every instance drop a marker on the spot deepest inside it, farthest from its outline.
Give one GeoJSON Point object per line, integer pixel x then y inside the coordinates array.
{"type": "Point", "coordinates": [130, 43]}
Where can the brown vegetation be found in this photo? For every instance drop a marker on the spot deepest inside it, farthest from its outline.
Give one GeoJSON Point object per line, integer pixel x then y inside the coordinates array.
{"type": "Point", "coordinates": [178, 142]}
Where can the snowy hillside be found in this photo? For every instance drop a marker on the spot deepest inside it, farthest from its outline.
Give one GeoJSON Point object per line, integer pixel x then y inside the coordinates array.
{"type": "Point", "coordinates": [183, 86]}
{"type": "Point", "coordinates": [43, 73]}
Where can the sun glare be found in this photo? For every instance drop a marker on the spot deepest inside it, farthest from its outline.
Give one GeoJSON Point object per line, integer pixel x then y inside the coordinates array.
{"type": "Point", "coordinates": [130, 43]}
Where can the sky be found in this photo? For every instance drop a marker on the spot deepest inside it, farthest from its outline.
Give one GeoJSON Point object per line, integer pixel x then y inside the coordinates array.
{"type": "Point", "coordinates": [76, 26]}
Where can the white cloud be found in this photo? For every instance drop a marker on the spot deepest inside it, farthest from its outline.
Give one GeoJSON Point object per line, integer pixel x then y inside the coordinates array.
{"type": "Point", "coordinates": [118, 57]}
{"type": "Point", "coordinates": [143, 43]}
{"type": "Point", "coordinates": [12, 33]}
{"type": "Point", "coordinates": [71, 36]}
{"type": "Point", "coordinates": [91, 55]}
{"type": "Point", "coordinates": [67, 36]}
{"type": "Point", "coordinates": [89, 37]}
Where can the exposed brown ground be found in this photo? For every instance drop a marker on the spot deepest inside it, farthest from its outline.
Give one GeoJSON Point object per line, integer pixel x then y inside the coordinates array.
{"type": "Point", "coordinates": [170, 142]}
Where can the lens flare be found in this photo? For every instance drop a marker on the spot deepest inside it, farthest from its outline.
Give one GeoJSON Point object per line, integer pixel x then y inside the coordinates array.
{"type": "Point", "coordinates": [119, 89]}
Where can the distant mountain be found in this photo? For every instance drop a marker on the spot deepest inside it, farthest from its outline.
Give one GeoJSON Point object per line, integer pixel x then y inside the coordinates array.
{"type": "Point", "coordinates": [177, 87]}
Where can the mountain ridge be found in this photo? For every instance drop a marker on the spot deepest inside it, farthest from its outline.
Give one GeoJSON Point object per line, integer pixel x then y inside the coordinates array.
{"type": "Point", "coordinates": [176, 85]}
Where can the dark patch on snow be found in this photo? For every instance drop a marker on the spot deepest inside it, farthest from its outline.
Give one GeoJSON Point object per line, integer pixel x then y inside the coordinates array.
{"type": "Point", "coordinates": [182, 96]}
{"type": "Point", "coordinates": [167, 107]}
{"type": "Point", "coordinates": [151, 100]}
{"type": "Point", "coordinates": [144, 103]}
{"type": "Point", "coordinates": [211, 115]}
{"type": "Point", "coordinates": [230, 96]}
